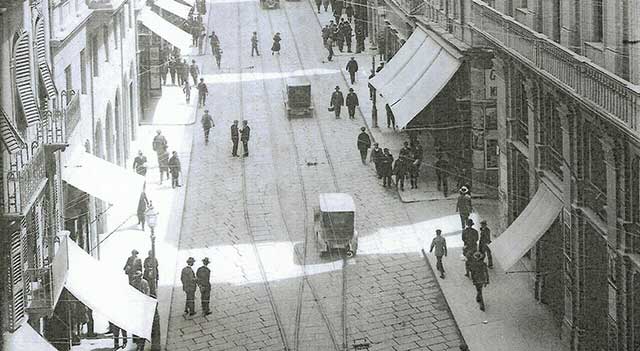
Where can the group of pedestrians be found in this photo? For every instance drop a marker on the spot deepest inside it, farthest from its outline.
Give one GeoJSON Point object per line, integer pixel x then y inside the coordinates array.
{"type": "Point", "coordinates": [166, 164]}
{"type": "Point", "coordinates": [191, 281]}
{"type": "Point", "coordinates": [275, 46]}
{"type": "Point", "coordinates": [196, 27]}
{"type": "Point", "coordinates": [406, 166]}
{"type": "Point", "coordinates": [237, 134]}
{"type": "Point", "coordinates": [338, 33]}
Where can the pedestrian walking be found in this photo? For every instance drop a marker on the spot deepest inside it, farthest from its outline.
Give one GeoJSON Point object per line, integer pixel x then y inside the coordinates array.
{"type": "Point", "coordinates": [329, 47]}
{"type": "Point", "coordinates": [214, 41]}
{"type": "Point", "coordinates": [143, 204]}
{"type": "Point", "coordinates": [339, 36]}
{"type": "Point", "coordinates": [391, 119]}
{"type": "Point", "coordinates": [184, 71]}
{"type": "Point", "coordinates": [360, 36]}
{"type": "Point", "coordinates": [172, 70]}
{"type": "Point", "coordinates": [376, 157]}
{"type": "Point", "coordinates": [442, 174]}
{"type": "Point", "coordinates": [275, 48]}
{"type": "Point", "coordinates": [400, 168]}
{"type": "Point", "coordinates": [254, 44]}
{"type": "Point", "coordinates": [485, 240]}
{"type": "Point", "coordinates": [318, 4]}
{"type": "Point", "coordinates": [188, 279]}
{"type": "Point", "coordinates": [387, 168]}
{"type": "Point", "coordinates": [352, 102]}
{"type": "Point", "coordinates": [245, 133]}
{"type": "Point", "coordinates": [195, 34]}
{"type": "Point", "coordinates": [479, 276]}
{"type": "Point", "coordinates": [203, 275]}
{"type": "Point", "coordinates": [217, 54]}
{"type": "Point", "coordinates": [201, 39]}
{"type": "Point", "coordinates": [186, 89]}
{"type": "Point", "coordinates": [117, 331]}
{"type": "Point", "coordinates": [234, 138]}
{"type": "Point", "coordinates": [337, 101]}
{"type": "Point", "coordinates": [163, 165]}
{"type": "Point", "coordinates": [364, 143]}
{"type": "Point", "coordinates": [325, 34]}
{"type": "Point", "coordinates": [464, 206]}
{"type": "Point", "coordinates": [132, 265]}
{"type": "Point", "coordinates": [159, 143]}
{"type": "Point", "coordinates": [151, 274]}
{"type": "Point", "coordinates": [140, 164]}
{"type": "Point", "coordinates": [347, 33]}
{"type": "Point", "coordinates": [203, 91]}
{"type": "Point", "coordinates": [175, 169]}
{"type": "Point", "coordinates": [352, 68]}
{"type": "Point", "coordinates": [194, 71]}
{"type": "Point", "coordinates": [415, 161]}
{"type": "Point", "coordinates": [470, 244]}
{"type": "Point", "coordinates": [439, 243]}
{"type": "Point", "coordinates": [207, 124]}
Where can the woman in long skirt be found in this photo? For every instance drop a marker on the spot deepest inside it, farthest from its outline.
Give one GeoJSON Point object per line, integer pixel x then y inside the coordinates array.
{"type": "Point", "coordinates": [275, 48]}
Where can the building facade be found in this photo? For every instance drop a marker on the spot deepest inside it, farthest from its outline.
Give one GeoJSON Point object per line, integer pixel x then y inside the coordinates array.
{"type": "Point", "coordinates": [553, 107]}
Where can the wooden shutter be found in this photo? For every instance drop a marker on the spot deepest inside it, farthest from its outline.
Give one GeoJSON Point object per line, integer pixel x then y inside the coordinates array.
{"type": "Point", "coordinates": [16, 291]}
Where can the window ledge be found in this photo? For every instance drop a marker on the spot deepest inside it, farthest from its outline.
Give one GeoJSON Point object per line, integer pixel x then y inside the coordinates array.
{"type": "Point", "coordinates": [596, 45]}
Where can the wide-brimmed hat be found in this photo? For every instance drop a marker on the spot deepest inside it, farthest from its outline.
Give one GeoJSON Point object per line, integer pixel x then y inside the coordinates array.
{"type": "Point", "coordinates": [191, 260]}
{"type": "Point", "coordinates": [206, 260]}
{"type": "Point", "coordinates": [478, 255]}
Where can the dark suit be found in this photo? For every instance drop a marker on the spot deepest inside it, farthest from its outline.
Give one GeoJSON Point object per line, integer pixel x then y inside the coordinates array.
{"type": "Point", "coordinates": [352, 103]}
{"type": "Point", "coordinates": [234, 139]}
{"type": "Point", "coordinates": [352, 66]}
{"type": "Point", "coordinates": [337, 101]}
{"type": "Point", "coordinates": [188, 279]}
{"type": "Point", "coordinates": [132, 265]}
{"type": "Point", "coordinates": [245, 133]}
{"type": "Point", "coordinates": [203, 274]}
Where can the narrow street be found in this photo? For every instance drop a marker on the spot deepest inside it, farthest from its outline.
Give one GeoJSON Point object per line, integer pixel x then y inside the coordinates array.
{"type": "Point", "coordinates": [253, 216]}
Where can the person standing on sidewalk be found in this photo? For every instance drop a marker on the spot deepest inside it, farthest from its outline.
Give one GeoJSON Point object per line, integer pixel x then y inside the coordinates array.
{"type": "Point", "coordinates": [442, 174]}
{"type": "Point", "coordinates": [463, 206]}
{"type": "Point", "coordinates": [352, 102]}
{"type": "Point", "coordinates": [439, 243]}
{"type": "Point", "coordinates": [188, 279]}
{"type": "Point", "coordinates": [143, 286]}
{"type": "Point", "coordinates": [470, 241]}
{"type": "Point", "coordinates": [254, 44]}
{"type": "Point", "coordinates": [172, 70]}
{"type": "Point", "coordinates": [175, 169]}
{"type": "Point", "coordinates": [352, 68]}
{"type": "Point", "coordinates": [234, 138]}
{"type": "Point", "coordinates": [485, 240]}
{"type": "Point", "coordinates": [376, 158]}
{"type": "Point", "coordinates": [347, 32]}
{"type": "Point", "coordinates": [203, 275]}
{"type": "Point", "coordinates": [194, 71]}
{"type": "Point", "coordinates": [337, 101]}
{"type": "Point", "coordinates": [391, 119]}
{"type": "Point", "coordinates": [479, 276]}
{"type": "Point", "coordinates": [415, 161]}
{"type": "Point", "coordinates": [387, 168]}
{"type": "Point", "coordinates": [245, 134]}
{"type": "Point", "coordinates": [329, 46]}
{"type": "Point", "coordinates": [186, 89]}
{"type": "Point", "coordinates": [163, 165]}
{"type": "Point", "coordinates": [140, 164]}
{"type": "Point", "coordinates": [132, 265]}
{"type": "Point", "coordinates": [159, 142]}
{"type": "Point", "coordinates": [203, 91]}
{"type": "Point", "coordinates": [214, 41]}
{"type": "Point", "coordinates": [143, 203]}
{"type": "Point", "coordinates": [185, 71]}
{"type": "Point", "coordinates": [207, 124]}
{"type": "Point", "coordinates": [400, 168]}
{"type": "Point", "coordinates": [318, 4]}
{"type": "Point", "coordinates": [151, 274]}
{"type": "Point", "coordinates": [364, 143]}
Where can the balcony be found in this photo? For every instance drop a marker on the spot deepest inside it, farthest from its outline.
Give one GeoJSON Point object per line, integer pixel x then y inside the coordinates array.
{"type": "Point", "coordinates": [613, 96]}
{"type": "Point", "coordinates": [104, 5]}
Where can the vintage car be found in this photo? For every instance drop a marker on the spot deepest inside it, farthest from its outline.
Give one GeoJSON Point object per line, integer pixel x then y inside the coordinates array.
{"type": "Point", "coordinates": [298, 94]}
{"type": "Point", "coordinates": [270, 4]}
{"type": "Point", "coordinates": [335, 223]}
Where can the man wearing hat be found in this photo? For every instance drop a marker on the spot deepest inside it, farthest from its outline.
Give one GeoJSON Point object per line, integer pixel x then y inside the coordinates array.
{"type": "Point", "coordinates": [133, 264]}
{"type": "Point", "coordinates": [479, 275]}
{"type": "Point", "coordinates": [352, 102]}
{"type": "Point", "coordinates": [470, 240]}
{"type": "Point", "coordinates": [463, 206]}
{"type": "Point", "coordinates": [439, 243]}
{"type": "Point", "coordinates": [364, 143]}
{"type": "Point", "coordinates": [202, 275]}
{"type": "Point", "coordinates": [188, 279]}
{"type": "Point", "coordinates": [207, 123]}
{"type": "Point", "coordinates": [235, 136]}
{"type": "Point", "coordinates": [337, 101]}
{"type": "Point", "coordinates": [485, 240]}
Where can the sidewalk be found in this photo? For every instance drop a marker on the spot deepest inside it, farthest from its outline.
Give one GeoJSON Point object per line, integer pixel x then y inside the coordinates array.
{"type": "Point", "coordinates": [514, 320]}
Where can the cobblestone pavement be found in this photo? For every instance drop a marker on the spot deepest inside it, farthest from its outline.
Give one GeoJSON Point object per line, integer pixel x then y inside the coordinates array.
{"type": "Point", "coordinates": [251, 216]}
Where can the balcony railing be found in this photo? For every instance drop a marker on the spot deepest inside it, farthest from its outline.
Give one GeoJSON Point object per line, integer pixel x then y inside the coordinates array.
{"type": "Point", "coordinates": [614, 95]}
{"type": "Point", "coordinates": [72, 114]}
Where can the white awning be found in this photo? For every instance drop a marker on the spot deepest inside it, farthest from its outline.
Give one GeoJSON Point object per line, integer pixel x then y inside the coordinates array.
{"type": "Point", "coordinates": [174, 7]}
{"type": "Point", "coordinates": [104, 180]}
{"type": "Point", "coordinates": [174, 35]}
{"type": "Point", "coordinates": [400, 59]}
{"type": "Point", "coordinates": [105, 289]}
{"type": "Point", "coordinates": [426, 88]}
{"type": "Point", "coordinates": [527, 229]}
{"type": "Point", "coordinates": [26, 338]}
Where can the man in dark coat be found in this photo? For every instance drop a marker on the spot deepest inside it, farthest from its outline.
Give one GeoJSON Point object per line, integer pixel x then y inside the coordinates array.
{"type": "Point", "coordinates": [400, 168]}
{"type": "Point", "coordinates": [150, 273]}
{"type": "Point", "coordinates": [485, 240]}
{"type": "Point", "coordinates": [376, 157]}
{"type": "Point", "coordinates": [245, 134]}
{"type": "Point", "coordinates": [184, 71]}
{"type": "Point", "coordinates": [188, 279]}
{"type": "Point", "coordinates": [337, 101]}
{"type": "Point", "coordinates": [352, 102]}
{"type": "Point", "coordinates": [175, 169]}
{"type": "Point", "coordinates": [179, 69]}
{"type": "Point", "coordinates": [235, 136]}
{"type": "Point", "coordinates": [347, 33]}
{"type": "Point", "coordinates": [172, 70]}
{"type": "Point", "coordinates": [140, 164]}
{"type": "Point", "coordinates": [442, 174]}
{"type": "Point", "coordinates": [352, 68]}
{"type": "Point", "coordinates": [463, 205]}
{"type": "Point", "coordinates": [143, 203]}
{"type": "Point", "coordinates": [329, 46]}
{"type": "Point", "coordinates": [479, 276]}
{"type": "Point", "coordinates": [439, 243]}
{"type": "Point", "coordinates": [207, 124]}
{"type": "Point", "coordinates": [203, 91]}
{"type": "Point", "coordinates": [254, 44]}
{"type": "Point", "coordinates": [203, 275]}
{"type": "Point", "coordinates": [359, 39]}
{"type": "Point", "coordinates": [194, 70]}
{"type": "Point", "coordinates": [470, 241]}
{"type": "Point", "coordinates": [133, 264]}
{"type": "Point", "coordinates": [159, 143]}
{"type": "Point", "coordinates": [387, 168]}
{"type": "Point", "coordinates": [364, 143]}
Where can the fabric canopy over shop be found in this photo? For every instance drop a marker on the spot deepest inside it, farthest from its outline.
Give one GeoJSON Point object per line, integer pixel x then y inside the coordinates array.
{"type": "Point", "coordinates": [167, 31]}
{"type": "Point", "coordinates": [23, 80]}
{"type": "Point", "coordinates": [9, 134]}
{"type": "Point", "coordinates": [105, 289]}
{"type": "Point", "coordinates": [26, 338]}
{"type": "Point", "coordinates": [174, 7]}
{"type": "Point", "coordinates": [415, 75]}
{"type": "Point", "coordinates": [527, 229]}
{"type": "Point", "coordinates": [113, 184]}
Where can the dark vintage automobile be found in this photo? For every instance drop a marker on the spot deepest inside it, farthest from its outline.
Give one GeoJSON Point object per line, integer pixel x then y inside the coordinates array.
{"type": "Point", "coordinates": [335, 223]}
{"type": "Point", "coordinates": [298, 94]}
{"type": "Point", "coordinates": [270, 4]}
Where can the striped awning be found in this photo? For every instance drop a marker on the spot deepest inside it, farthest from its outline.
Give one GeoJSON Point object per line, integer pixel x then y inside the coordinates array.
{"type": "Point", "coordinates": [10, 136]}
{"type": "Point", "coordinates": [43, 65]}
{"type": "Point", "coordinates": [23, 80]}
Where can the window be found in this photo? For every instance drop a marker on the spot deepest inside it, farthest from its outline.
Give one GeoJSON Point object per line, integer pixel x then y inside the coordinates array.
{"type": "Point", "coordinates": [83, 72]}
{"type": "Point", "coordinates": [115, 31]}
{"type": "Point", "coordinates": [597, 20]}
{"type": "Point", "coordinates": [94, 55]}
{"type": "Point", "coordinates": [68, 79]}
{"type": "Point", "coordinates": [105, 42]}
{"type": "Point", "coordinates": [597, 169]}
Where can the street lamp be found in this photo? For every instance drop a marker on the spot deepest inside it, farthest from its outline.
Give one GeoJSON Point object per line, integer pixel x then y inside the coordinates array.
{"type": "Point", "coordinates": [151, 217]}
